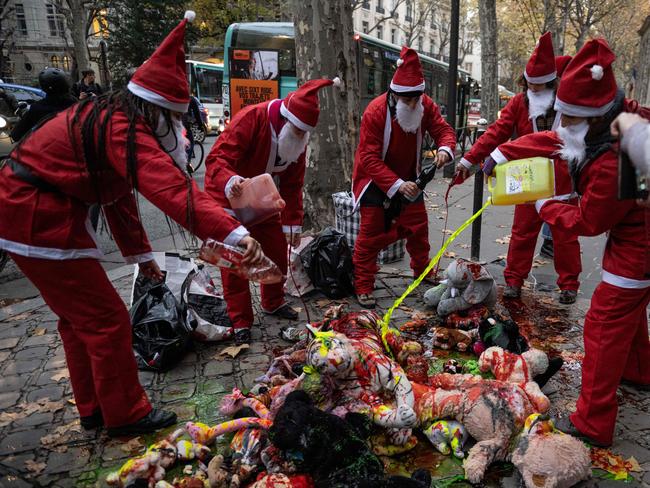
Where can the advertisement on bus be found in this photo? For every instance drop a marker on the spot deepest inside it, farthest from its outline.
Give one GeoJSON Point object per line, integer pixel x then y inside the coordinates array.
{"type": "Point", "coordinates": [253, 78]}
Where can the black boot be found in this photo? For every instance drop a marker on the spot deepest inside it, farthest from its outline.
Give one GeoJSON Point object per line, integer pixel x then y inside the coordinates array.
{"type": "Point", "coordinates": [154, 420]}
{"type": "Point", "coordinates": [546, 250]}
{"type": "Point", "coordinates": [285, 312]}
{"type": "Point", "coordinates": [554, 365]}
{"type": "Point", "coordinates": [93, 421]}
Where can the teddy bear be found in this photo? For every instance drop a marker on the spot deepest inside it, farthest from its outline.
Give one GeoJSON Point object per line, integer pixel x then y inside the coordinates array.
{"type": "Point", "coordinates": [492, 411]}
{"type": "Point", "coordinates": [547, 458]}
{"type": "Point", "coordinates": [146, 467]}
{"type": "Point", "coordinates": [519, 369]}
{"type": "Point", "coordinates": [444, 338]}
{"type": "Point", "coordinates": [466, 284]}
{"type": "Point", "coordinates": [444, 434]}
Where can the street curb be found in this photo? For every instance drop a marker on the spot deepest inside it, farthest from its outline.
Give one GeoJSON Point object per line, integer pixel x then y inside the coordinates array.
{"type": "Point", "coordinates": [34, 303]}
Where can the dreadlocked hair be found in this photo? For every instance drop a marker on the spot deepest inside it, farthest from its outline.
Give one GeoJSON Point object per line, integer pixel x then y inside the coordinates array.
{"type": "Point", "coordinates": [97, 113]}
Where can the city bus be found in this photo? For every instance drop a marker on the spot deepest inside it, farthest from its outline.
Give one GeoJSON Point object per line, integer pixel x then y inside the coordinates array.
{"type": "Point", "coordinates": [263, 55]}
{"type": "Point", "coordinates": [206, 83]}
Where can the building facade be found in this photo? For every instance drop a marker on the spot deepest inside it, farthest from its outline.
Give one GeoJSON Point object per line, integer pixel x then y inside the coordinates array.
{"type": "Point", "coordinates": [35, 36]}
{"type": "Point", "coordinates": [642, 88]}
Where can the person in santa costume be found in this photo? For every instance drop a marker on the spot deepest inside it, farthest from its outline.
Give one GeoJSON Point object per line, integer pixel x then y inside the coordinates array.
{"type": "Point", "coordinates": [100, 151]}
{"type": "Point", "coordinates": [616, 328]}
{"type": "Point", "coordinates": [386, 165]}
{"type": "Point", "coordinates": [527, 112]}
{"type": "Point", "coordinates": [269, 137]}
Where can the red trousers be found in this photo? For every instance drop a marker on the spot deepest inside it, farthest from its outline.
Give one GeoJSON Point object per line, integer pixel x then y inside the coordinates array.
{"type": "Point", "coordinates": [616, 347]}
{"type": "Point", "coordinates": [411, 224]}
{"type": "Point", "coordinates": [96, 332]}
{"type": "Point", "coordinates": [566, 250]}
{"type": "Point", "coordinates": [237, 291]}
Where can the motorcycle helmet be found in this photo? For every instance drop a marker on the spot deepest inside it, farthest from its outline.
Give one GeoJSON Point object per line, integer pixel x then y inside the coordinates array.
{"type": "Point", "coordinates": [54, 81]}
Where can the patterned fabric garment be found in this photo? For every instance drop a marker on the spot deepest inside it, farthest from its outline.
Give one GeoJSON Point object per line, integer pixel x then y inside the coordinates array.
{"type": "Point", "coordinates": [545, 122]}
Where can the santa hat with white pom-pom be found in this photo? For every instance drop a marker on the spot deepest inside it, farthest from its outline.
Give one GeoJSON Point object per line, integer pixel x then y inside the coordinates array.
{"type": "Point", "coordinates": [588, 86]}
{"type": "Point", "coordinates": [408, 76]}
{"type": "Point", "coordinates": [162, 79]}
{"type": "Point", "coordinates": [301, 107]}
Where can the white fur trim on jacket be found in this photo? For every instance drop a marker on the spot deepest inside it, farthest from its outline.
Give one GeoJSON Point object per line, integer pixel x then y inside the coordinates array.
{"type": "Point", "coordinates": [580, 110]}
{"type": "Point", "coordinates": [156, 99]}
{"type": "Point", "coordinates": [394, 188]}
{"type": "Point", "coordinates": [466, 163]}
{"type": "Point", "coordinates": [448, 150]}
{"type": "Point", "coordinates": [233, 179]}
{"type": "Point", "coordinates": [49, 252]}
{"type": "Point", "coordinates": [190, 15]}
{"type": "Point", "coordinates": [623, 282]}
{"type": "Point", "coordinates": [295, 120]}
{"type": "Point", "coordinates": [540, 203]}
{"type": "Point", "coordinates": [292, 229]}
{"type": "Point", "coordinates": [138, 258]}
{"type": "Point", "coordinates": [540, 79]}
{"type": "Point", "coordinates": [236, 235]}
{"type": "Point", "coordinates": [498, 156]}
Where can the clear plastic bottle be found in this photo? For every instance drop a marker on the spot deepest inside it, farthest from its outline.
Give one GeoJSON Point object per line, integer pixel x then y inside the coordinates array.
{"type": "Point", "coordinates": [230, 257]}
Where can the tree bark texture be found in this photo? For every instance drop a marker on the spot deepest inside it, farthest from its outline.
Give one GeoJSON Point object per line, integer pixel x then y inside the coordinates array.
{"type": "Point", "coordinates": [325, 48]}
{"type": "Point", "coordinates": [78, 33]}
{"type": "Point", "coordinates": [489, 60]}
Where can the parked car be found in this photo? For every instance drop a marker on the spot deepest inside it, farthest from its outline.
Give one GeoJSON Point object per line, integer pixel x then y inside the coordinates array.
{"type": "Point", "coordinates": [25, 96]}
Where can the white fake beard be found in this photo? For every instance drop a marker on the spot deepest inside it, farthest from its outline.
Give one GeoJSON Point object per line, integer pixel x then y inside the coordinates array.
{"type": "Point", "coordinates": [290, 146]}
{"type": "Point", "coordinates": [409, 119]}
{"type": "Point", "coordinates": [573, 148]}
{"type": "Point", "coordinates": [539, 102]}
{"type": "Point", "coordinates": [173, 141]}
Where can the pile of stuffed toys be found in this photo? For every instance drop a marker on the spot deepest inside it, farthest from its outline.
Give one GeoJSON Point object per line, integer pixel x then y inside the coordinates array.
{"type": "Point", "coordinates": [351, 390]}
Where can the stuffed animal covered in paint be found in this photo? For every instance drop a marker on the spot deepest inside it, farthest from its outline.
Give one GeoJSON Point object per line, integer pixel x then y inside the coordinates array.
{"type": "Point", "coordinates": [444, 338]}
{"type": "Point", "coordinates": [364, 376]}
{"type": "Point", "coordinates": [204, 434]}
{"type": "Point", "coordinates": [146, 467]}
{"type": "Point", "coordinates": [547, 458]}
{"type": "Point", "coordinates": [167, 449]}
{"type": "Point", "coordinates": [519, 369]}
{"type": "Point", "coordinates": [444, 434]}
{"type": "Point", "coordinates": [466, 284]}
{"type": "Point", "coordinates": [236, 400]}
{"type": "Point", "coordinates": [467, 319]}
{"type": "Point", "coordinates": [502, 332]}
{"type": "Point", "coordinates": [188, 451]}
{"type": "Point", "coordinates": [492, 411]}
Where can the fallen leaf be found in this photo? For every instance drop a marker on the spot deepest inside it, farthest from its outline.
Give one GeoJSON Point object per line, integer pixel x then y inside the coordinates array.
{"type": "Point", "coordinates": [633, 465]}
{"type": "Point", "coordinates": [504, 240]}
{"type": "Point", "coordinates": [448, 232]}
{"type": "Point", "coordinates": [39, 331]}
{"type": "Point", "coordinates": [61, 435]}
{"type": "Point", "coordinates": [502, 256]}
{"type": "Point", "coordinates": [133, 446]}
{"type": "Point", "coordinates": [547, 301]}
{"type": "Point", "coordinates": [501, 226]}
{"type": "Point", "coordinates": [323, 302]}
{"type": "Point", "coordinates": [71, 401]}
{"type": "Point", "coordinates": [421, 315]}
{"type": "Point", "coordinates": [406, 309]}
{"type": "Point", "coordinates": [233, 351]}
{"type": "Point", "coordinates": [553, 320]}
{"type": "Point", "coordinates": [61, 375]}
{"type": "Point", "coordinates": [34, 467]}
{"type": "Point", "coordinates": [464, 246]}
{"type": "Point", "coordinates": [450, 254]}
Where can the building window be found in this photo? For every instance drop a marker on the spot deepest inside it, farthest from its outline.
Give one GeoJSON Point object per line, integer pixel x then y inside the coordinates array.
{"type": "Point", "coordinates": [365, 4]}
{"type": "Point", "coordinates": [470, 48]}
{"type": "Point", "coordinates": [380, 6]}
{"type": "Point", "coordinates": [421, 44]}
{"type": "Point", "coordinates": [54, 61]}
{"type": "Point", "coordinates": [380, 32]}
{"type": "Point", "coordinates": [432, 44]}
{"type": "Point", "coordinates": [468, 67]}
{"type": "Point", "coordinates": [393, 36]}
{"type": "Point", "coordinates": [65, 63]}
{"type": "Point", "coordinates": [365, 27]}
{"type": "Point", "coordinates": [55, 21]}
{"type": "Point", "coordinates": [21, 21]}
{"type": "Point", "coordinates": [409, 11]}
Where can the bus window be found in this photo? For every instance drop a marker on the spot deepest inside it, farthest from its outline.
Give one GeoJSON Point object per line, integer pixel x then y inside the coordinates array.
{"type": "Point", "coordinates": [372, 72]}
{"type": "Point", "coordinates": [209, 83]}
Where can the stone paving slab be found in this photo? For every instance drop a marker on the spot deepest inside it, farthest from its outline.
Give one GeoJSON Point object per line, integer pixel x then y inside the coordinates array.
{"type": "Point", "coordinates": [45, 446]}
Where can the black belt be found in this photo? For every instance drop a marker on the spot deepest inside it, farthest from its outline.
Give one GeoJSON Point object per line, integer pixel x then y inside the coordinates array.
{"type": "Point", "coordinates": [25, 174]}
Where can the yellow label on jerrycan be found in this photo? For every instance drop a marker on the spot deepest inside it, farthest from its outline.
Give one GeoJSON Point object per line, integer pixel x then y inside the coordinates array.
{"type": "Point", "coordinates": [522, 181]}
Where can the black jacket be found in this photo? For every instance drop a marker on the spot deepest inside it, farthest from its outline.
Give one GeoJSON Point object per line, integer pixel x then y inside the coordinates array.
{"type": "Point", "coordinates": [81, 87]}
{"type": "Point", "coordinates": [38, 111]}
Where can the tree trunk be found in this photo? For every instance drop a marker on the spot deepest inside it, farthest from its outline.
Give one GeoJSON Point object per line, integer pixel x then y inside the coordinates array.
{"type": "Point", "coordinates": [78, 33]}
{"type": "Point", "coordinates": [325, 47]}
{"type": "Point", "coordinates": [487, 12]}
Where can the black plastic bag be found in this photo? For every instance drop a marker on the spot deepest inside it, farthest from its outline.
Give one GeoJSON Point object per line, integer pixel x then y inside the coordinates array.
{"type": "Point", "coordinates": [328, 263]}
{"type": "Point", "coordinates": [161, 333]}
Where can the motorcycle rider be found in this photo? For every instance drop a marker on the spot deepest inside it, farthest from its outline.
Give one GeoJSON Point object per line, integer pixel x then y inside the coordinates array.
{"type": "Point", "coordinates": [56, 84]}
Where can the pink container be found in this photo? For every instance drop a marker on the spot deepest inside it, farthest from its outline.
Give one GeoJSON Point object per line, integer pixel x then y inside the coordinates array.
{"type": "Point", "coordinates": [259, 200]}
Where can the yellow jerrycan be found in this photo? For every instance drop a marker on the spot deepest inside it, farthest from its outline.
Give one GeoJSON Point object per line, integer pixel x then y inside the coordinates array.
{"type": "Point", "coordinates": [522, 181]}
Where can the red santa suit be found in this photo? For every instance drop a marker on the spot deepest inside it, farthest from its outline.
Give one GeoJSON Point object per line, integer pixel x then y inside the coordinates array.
{"type": "Point", "coordinates": [248, 148]}
{"type": "Point", "coordinates": [616, 327]}
{"type": "Point", "coordinates": [386, 157]}
{"type": "Point", "coordinates": [514, 122]}
{"type": "Point", "coordinates": [45, 195]}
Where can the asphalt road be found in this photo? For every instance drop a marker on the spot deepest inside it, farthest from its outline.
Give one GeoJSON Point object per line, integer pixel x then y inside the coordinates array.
{"type": "Point", "coordinates": [14, 286]}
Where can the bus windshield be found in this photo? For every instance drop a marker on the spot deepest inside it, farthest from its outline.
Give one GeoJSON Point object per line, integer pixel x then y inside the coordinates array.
{"type": "Point", "coordinates": [208, 84]}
